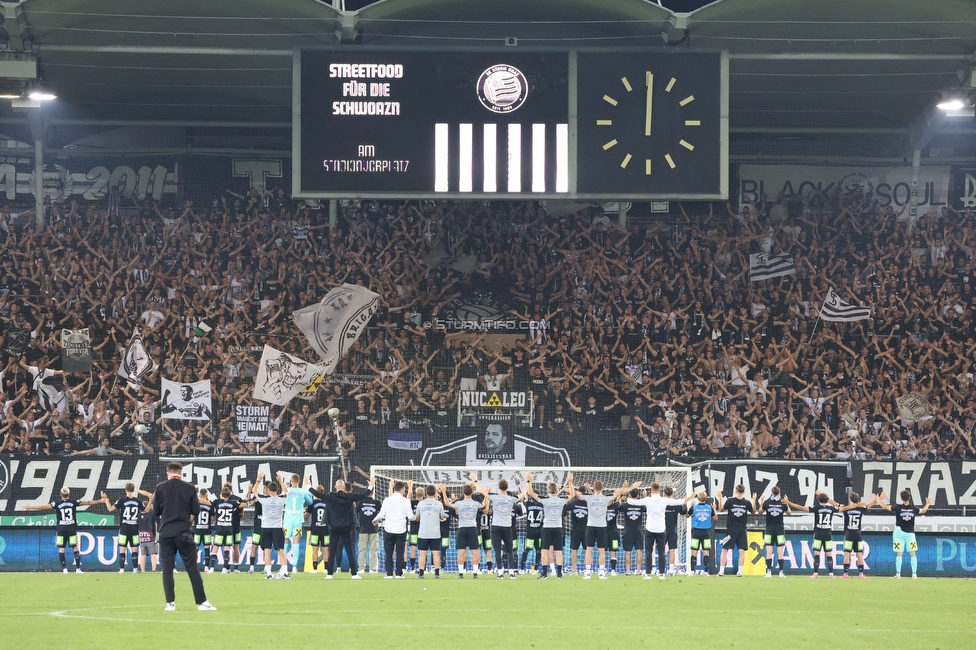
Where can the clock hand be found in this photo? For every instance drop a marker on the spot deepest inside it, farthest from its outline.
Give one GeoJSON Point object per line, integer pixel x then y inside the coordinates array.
{"type": "Point", "coordinates": [649, 79]}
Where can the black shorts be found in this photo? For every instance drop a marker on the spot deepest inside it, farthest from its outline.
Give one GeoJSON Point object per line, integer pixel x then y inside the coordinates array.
{"type": "Point", "coordinates": [596, 536]}
{"type": "Point", "coordinates": [554, 538]}
{"type": "Point", "coordinates": [237, 532]}
{"type": "Point", "coordinates": [633, 540]}
{"type": "Point", "coordinates": [428, 544]}
{"type": "Point", "coordinates": [468, 538]}
{"type": "Point", "coordinates": [273, 539]}
{"type": "Point", "coordinates": [66, 537]}
{"type": "Point", "coordinates": [502, 539]}
{"type": "Point", "coordinates": [853, 542]}
{"type": "Point", "coordinates": [319, 536]}
{"type": "Point", "coordinates": [672, 539]}
{"type": "Point", "coordinates": [486, 539]}
{"type": "Point", "coordinates": [577, 538]}
{"type": "Point", "coordinates": [533, 538]}
{"type": "Point", "coordinates": [202, 536]}
{"type": "Point", "coordinates": [128, 536]}
{"type": "Point", "coordinates": [823, 535]}
{"type": "Point", "coordinates": [224, 536]}
{"type": "Point", "coordinates": [737, 538]}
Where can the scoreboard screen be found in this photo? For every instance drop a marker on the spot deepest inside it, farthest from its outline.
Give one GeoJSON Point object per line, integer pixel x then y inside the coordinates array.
{"type": "Point", "coordinates": [503, 123]}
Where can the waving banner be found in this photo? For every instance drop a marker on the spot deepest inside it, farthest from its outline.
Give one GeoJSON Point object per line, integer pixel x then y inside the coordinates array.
{"type": "Point", "coordinates": [136, 363]}
{"type": "Point", "coordinates": [333, 325]}
{"type": "Point", "coordinates": [282, 376]}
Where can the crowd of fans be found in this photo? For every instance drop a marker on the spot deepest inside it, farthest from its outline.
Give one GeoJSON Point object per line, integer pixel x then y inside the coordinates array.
{"type": "Point", "coordinates": [622, 325]}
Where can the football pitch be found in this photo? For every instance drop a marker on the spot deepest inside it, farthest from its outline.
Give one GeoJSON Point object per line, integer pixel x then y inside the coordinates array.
{"type": "Point", "coordinates": [126, 611]}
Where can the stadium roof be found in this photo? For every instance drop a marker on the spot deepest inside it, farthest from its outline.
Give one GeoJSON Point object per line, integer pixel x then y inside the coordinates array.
{"type": "Point", "coordinates": [870, 67]}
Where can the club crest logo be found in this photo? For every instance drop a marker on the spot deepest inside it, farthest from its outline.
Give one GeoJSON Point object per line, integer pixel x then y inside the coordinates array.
{"type": "Point", "coordinates": [502, 88]}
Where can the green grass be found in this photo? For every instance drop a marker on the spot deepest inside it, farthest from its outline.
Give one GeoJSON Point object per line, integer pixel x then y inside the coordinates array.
{"type": "Point", "coordinates": [126, 611]}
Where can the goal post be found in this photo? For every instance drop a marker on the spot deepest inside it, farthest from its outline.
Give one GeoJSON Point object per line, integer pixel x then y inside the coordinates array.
{"type": "Point", "coordinates": [613, 478]}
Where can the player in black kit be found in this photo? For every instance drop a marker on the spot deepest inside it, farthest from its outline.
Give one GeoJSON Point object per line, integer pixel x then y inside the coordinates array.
{"type": "Point", "coordinates": [318, 530]}
{"type": "Point", "coordinates": [671, 514]}
{"type": "Point", "coordinates": [823, 518]}
{"type": "Point", "coordinates": [738, 508]}
{"type": "Point", "coordinates": [129, 507]}
{"type": "Point", "coordinates": [484, 526]}
{"type": "Point", "coordinates": [633, 537]}
{"type": "Point", "coordinates": [853, 542]}
{"type": "Point", "coordinates": [203, 529]}
{"type": "Point", "coordinates": [534, 513]}
{"type": "Point", "coordinates": [578, 514]}
{"type": "Point", "coordinates": [774, 537]}
{"type": "Point", "coordinates": [67, 524]}
{"type": "Point", "coordinates": [236, 558]}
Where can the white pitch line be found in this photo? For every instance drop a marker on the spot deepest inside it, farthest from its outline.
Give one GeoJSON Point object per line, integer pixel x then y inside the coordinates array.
{"type": "Point", "coordinates": [208, 620]}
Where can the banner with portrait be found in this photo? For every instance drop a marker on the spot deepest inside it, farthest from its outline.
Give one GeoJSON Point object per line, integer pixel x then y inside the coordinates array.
{"type": "Point", "coordinates": [186, 401]}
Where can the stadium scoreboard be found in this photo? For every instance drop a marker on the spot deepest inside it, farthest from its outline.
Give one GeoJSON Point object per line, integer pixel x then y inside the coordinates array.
{"type": "Point", "coordinates": [510, 123]}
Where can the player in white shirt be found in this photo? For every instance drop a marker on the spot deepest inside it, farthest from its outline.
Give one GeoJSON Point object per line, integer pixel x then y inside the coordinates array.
{"type": "Point", "coordinates": [596, 523]}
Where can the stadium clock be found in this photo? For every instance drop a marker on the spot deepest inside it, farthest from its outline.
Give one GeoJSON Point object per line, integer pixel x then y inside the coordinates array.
{"type": "Point", "coordinates": [650, 124]}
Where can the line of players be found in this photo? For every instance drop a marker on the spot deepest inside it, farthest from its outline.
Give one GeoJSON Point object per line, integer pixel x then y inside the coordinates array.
{"type": "Point", "coordinates": [486, 525]}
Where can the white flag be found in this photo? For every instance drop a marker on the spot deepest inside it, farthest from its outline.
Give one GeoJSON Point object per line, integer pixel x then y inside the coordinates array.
{"type": "Point", "coordinates": [183, 401]}
{"type": "Point", "coordinates": [136, 362]}
{"type": "Point", "coordinates": [914, 406]}
{"type": "Point", "coordinates": [282, 376]}
{"type": "Point", "coordinates": [333, 325]}
{"type": "Point", "coordinates": [764, 267]}
{"type": "Point", "coordinates": [838, 310]}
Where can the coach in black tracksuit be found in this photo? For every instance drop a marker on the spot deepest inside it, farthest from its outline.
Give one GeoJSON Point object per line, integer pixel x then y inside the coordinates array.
{"type": "Point", "coordinates": [341, 509]}
{"type": "Point", "coordinates": [174, 502]}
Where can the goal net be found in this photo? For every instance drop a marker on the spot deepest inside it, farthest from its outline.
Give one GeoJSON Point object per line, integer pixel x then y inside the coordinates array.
{"type": "Point", "coordinates": [453, 478]}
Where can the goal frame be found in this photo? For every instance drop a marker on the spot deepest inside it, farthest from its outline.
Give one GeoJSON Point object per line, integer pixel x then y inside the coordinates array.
{"type": "Point", "coordinates": [443, 474]}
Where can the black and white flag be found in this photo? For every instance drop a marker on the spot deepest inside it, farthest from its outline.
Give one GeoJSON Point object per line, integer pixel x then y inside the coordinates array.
{"type": "Point", "coordinates": [282, 376]}
{"type": "Point", "coordinates": [16, 340]}
{"type": "Point", "coordinates": [136, 362]}
{"type": "Point", "coordinates": [76, 351]}
{"type": "Point", "coordinates": [835, 309]}
{"type": "Point", "coordinates": [765, 267]}
{"type": "Point", "coordinates": [333, 325]}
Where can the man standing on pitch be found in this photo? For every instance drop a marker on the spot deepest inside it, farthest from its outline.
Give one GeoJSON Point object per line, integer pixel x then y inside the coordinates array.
{"type": "Point", "coordinates": [396, 511]}
{"type": "Point", "coordinates": [175, 502]}
{"type": "Point", "coordinates": [596, 524]}
{"type": "Point", "coordinates": [430, 513]}
{"type": "Point", "coordinates": [656, 536]}
{"type": "Point", "coordinates": [738, 508]}
{"type": "Point", "coordinates": [341, 511]}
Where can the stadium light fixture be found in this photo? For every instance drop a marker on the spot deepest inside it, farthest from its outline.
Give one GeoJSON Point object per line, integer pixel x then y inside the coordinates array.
{"type": "Point", "coordinates": [41, 96]}
{"type": "Point", "coordinates": [950, 105]}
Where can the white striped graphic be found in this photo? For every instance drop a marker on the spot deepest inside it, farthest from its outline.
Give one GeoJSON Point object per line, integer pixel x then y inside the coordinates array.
{"type": "Point", "coordinates": [445, 150]}
{"type": "Point", "coordinates": [514, 157]}
{"type": "Point", "coordinates": [441, 157]}
{"type": "Point", "coordinates": [562, 157]}
{"type": "Point", "coordinates": [491, 158]}
{"type": "Point", "coordinates": [538, 157]}
{"type": "Point", "coordinates": [466, 154]}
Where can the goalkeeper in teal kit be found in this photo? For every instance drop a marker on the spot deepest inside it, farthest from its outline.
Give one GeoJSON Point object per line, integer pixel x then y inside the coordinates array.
{"type": "Point", "coordinates": [296, 499]}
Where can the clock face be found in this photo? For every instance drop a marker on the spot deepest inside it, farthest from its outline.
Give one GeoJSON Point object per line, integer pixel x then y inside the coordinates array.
{"type": "Point", "coordinates": [649, 125]}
